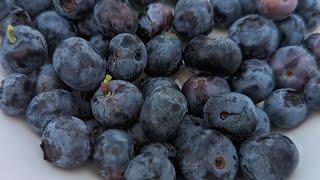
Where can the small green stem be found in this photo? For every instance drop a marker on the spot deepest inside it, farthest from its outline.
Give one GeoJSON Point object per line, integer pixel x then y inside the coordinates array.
{"type": "Point", "coordinates": [104, 85]}
{"type": "Point", "coordinates": [10, 35]}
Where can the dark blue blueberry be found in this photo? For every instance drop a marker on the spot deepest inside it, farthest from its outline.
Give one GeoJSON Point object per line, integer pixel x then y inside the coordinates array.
{"type": "Point", "coordinates": [193, 18]}
{"type": "Point", "coordinates": [66, 142]}
{"type": "Point", "coordinates": [164, 55]}
{"type": "Point", "coordinates": [255, 79]}
{"type": "Point", "coordinates": [248, 6]}
{"type": "Point", "coordinates": [54, 28]}
{"type": "Point", "coordinates": [34, 7]}
{"type": "Point", "coordinates": [273, 157]}
{"type": "Point", "coordinates": [102, 44]}
{"type": "Point", "coordinates": [256, 36]}
{"type": "Point", "coordinates": [309, 10]}
{"type": "Point", "coordinates": [164, 149]}
{"type": "Point", "coordinates": [114, 17]}
{"type": "Point", "coordinates": [198, 89]}
{"type": "Point", "coordinates": [312, 43]}
{"type": "Point", "coordinates": [23, 50]}
{"type": "Point", "coordinates": [292, 30]}
{"type": "Point", "coordinates": [151, 84]}
{"type": "Point", "coordinates": [48, 105]}
{"type": "Point", "coordinates": [117, 105]}
{"type": "Point", "coordinates": [286, 108]}
{"type": "Point", "coordinates": [84, 102]}
{"type": "Point", "coordinates": [263, 122]}
{"type": "Point", "coordinates": [225, 12]}
{"type": "Point", "coordinates": [73, 9]}
{"type": "Point", "coordinates": [148, 166]}
{"type": "Point", "coordinates": [112, 153]}
{"type": "Point", "coordinates": [224, 56]}
{"type": "Point", "coordinates": [5, 7]}
{"type": "Point", "coordinates": [232, 113]}
{"type": "Point", "coordinates": [211, 155]}
{"type": "Point", "coordinates": [312, 93]}
{"type": "Point", "coordinates": [78, 63]}
{"type": "Point", "coordinates": [293, 67]}
{"type": "Point", "coordinates": [87, 27]}
{"type": "Point", "coordinates": [138, 135]}
{"type": "Point", "coordinates": [162, 113]}
{"type": "Point", "coordinates": [276, 9]}
{"type": "Point", "coordinates": [128, 57]}
{"type": "Point", "coordinates": [16, 91]}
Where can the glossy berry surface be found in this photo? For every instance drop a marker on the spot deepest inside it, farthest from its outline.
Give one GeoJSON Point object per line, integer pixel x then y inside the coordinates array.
{"type": "Point", "coordinates": [286, 108]}
{"type": "Point", "coordinates": [66, 142]}
{"type": "Point", "coordinates": [73, 9]}
{"type": "Point", "coordinates": [312, 43]}
{"type": "Point", "coordinates": [293, 67]}
{"type": "Point", "coordinates": [276, 9]}
{"type": "Point", "coordinates": [312, 93]}
{"type": "Point", "coordinates": [309, 10]}
{"type": "Point", "coordinates": [256, 36]}
{"type": "Point", "coordinates": [273, 156]}
{"type": "Point", "coordinates": [225, 12]}
{"type": "Point", "coordinates": [164, 149]}
{"type": "Point", "coordinates": [151, 84]}
{"type": "Point", "coordinates": [198, 89]}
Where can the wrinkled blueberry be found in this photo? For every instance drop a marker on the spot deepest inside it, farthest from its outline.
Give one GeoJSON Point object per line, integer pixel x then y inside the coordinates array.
{"type": "Point", "coordinates": [312, 43]}
{"type": "Point", "coordinates": [151, 84]}
{"type": "Point", "coordinates": [225, 12]}
{"type": "Point", "coordinates": [73, 9]}
{"type": "Point", "coordinates": [312, 93]}
{"type": "Point", "coordinates": [309, 10]}
{"type": "Point", "coordinates": [276, 9]}
{"type": "Point", "coordinates": [102, 44]}
{"type": "Point", "coordinates": [164, 149]}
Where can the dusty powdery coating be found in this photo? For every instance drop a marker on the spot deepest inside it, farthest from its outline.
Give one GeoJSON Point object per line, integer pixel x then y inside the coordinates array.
{"type": "Point", "coordinates": [47, 105]}
{"type": "Point", "coordinates": [162, 113]}
{"type": "Point", "coordinates": [66, 142]}
{"type": "Point", "coordinates": [16, 92]}
{"type": "Point", "coordinates": [27, 53]}
{"type": "Point", "coordinates": [164, 149]}
{"type": "Point", "coordinates": [73, 9]}
{"type": "Point", "coordinates": [312, 93]}
{"type": "Point", "coordinates": [120, 107]}
{"type": "Point", "coordinates": [193, 18]}
{"type": "Point", "coordinates": [128, 57]}
{"type": "Point", "coordinates": [286, 108]}
{"type": "Point", "coordinates": [309, 10]}
{"type": "Point", "coordinates": [148, 166]}
{"type": "Point", "coordinates": [263, 122]}
{"type": "Point", "coordinates": [34, 7]}
{"type": "Point", "coordinates": [273, 156]}
{"type": "Point", "coordinates": [210, 155]}
{"type": "Point", "coordinates": [79, 64]}
{"type": "Point", "coordinates": [152, 84]}
{"type": "Point", "coordinates": [112, 153]}
{"type": "Point", "coordinates": [312, 43]}
{"type": "Point", "coordinates": [225, 12]}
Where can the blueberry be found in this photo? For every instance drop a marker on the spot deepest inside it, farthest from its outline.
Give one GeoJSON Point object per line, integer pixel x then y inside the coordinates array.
{"type": "Point", "coordinates": [117, 104]}
{"type": "Point", "coordinates": [16, 91]}
{"type": "Point", "coordinates": [128, 57]}
{"type": "Point", "coordinates": [309, 10]}
{"type": "Point", "coordinates": [5, 7]}
{"type": "Point", "coordinates": [84, 102]}
{"type": "Point", "coordinates": [248, 6]}
{"type": "Point", "coordinates": [87, 27]}
{"type": "Point", "coordinates": [101, 44]}
{"type": "Point", "coordinates": [193, 18]}
{"type": "Point", "coordinates": [225, 12]}
{"type": "Point", "coordinates": [151, 84]}
{"type": "Point", "coordinates": [198, 89]}
{"type": "Point", "coordinates": [312, 43]}
{"type": "Point", "coordinates": [66, 142]}
{"type": "Point", "coordinates": [292, 30]}
{"type": "Point", "coordinates": [224, 56]}
{"type": "Point", "coordinates": [148, 166]}
{"type": "Point", "coordinates": [142, 2]}
{"type": "Point", "coordinates": [162, 113]}
{"type": "Point", "coordinates": [232, 113]}
{"type": "Point", "coordinates": [312, 93]}
{"type": "Point", "coordinates": [211, 155]}
{"type": "Point", "coordinates": [263, 122]}
{"type": "Point", "coordinates": [112, 153]}
{"type": "Point", "coordinates": [73, 9]}
{"type": "Point", "coordinates": [164, 55]}
{"type": "Point", "coordinates": [286, 108]}
{"type": "Point", "coordinates": [79, 64]}
{"type": "Point", "coordinates": [114, 17]}
{"type": "Point", "coordinates": [164, 149]}
{"type": "Point", "coordinates": [276, 9]}
{"type": "Point", "coordinates": [54, 28]}
{"type": "Point", "coordinates": [256, 36]}
{"type": "Point", "coordinates": [158, 17]}
{"type": "Point", "coordinates": [138, 135]}
{"type": "Point", "coordinates": [293, 67]}
{"type": "Point", "coordinates": [48, 105]}
{"type": "Point", "coordinates": [34, 7]}
{"type": "Point", "coordinates": [255, 79]}
{"type": "Point", "coordinates": [273, 156]}
{"type": "Point", "coordinates": [23, 50]}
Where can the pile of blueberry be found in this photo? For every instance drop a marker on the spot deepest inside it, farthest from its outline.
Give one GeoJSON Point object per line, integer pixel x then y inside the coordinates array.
{"type": "Point", "coordinates": [92, 78]}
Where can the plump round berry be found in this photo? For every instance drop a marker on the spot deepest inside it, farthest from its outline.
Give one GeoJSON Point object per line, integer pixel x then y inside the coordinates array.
{"type": "Point", "coordinates": [117, 105]}
{"type": "Point", "coordinates": [273, 156]}
{"type": "Point", "coordinates": [47, 105]}
{"type": "Point", "coordinates": [149, 166]}
{"type": "Point", "coordinates": [164, 55]}
{"type": "Point", "coordinates": [312, 43]}
{"type": "Point", "coordinates": [292, 30]}
{"type": "Point", "coordinates": [276, 9]}
{"type": "Point", "coordinates": [286, 108]}
{"type": "Point", "coordinates": [198, 89]}
{"type": "Point", "coordinates": [79, 64]}
{"type": "Point", "coordinates": [256, 36]}
{"type": "Point", "coordinates": [162, 113]}
{"type": "Point", "coordinates": [309, 10]}
{"type": "Point", "coordinates": [138, 135]}
{"type": "Point", "coordinates": [66, 142]}
{"type": "Point", "coordinates": [232, 113]}
{"type": "Point", "coordinates": [293, 67]}
{"type": "Point", "coordinates": [101, 44]}
{"type": "Point", "coordinates": [224, 56]}
{"type": "Point", "coordinates": [211, 155]}
{"type": "Point", "coordinates": [151, 84]}
{"type": "Point", "coordinates": [34, 7]}
{"type": "Point", "coordinates": [128, 57]}
{"type": "Point", "coordinates": [87, 27]}
{"type": "Point", "coordinates": [16, 91]}
{"type": "Point", "coordinates": [23, 50]}
{"type": "Point", "coordinates": [73, 9]}
{"type": "Point", "coordinates": [193, 18]}
{"type": "Point", "coordinates": [225, 12]}
{"type": "Point", "coordinates": [312, 93]}
{"type": "Point", "coordinates": [263, 122]}
{"type": "Point", "coordinates": [248, 6]}
{"type": "Point", "coordinates": [114, 17]}
{"type": "Point", "coordinates": [164, 149]}
{"type": "Point", "coordinates": [255, 79]}
{"type": "Point", "coordinates": [112, 153]}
